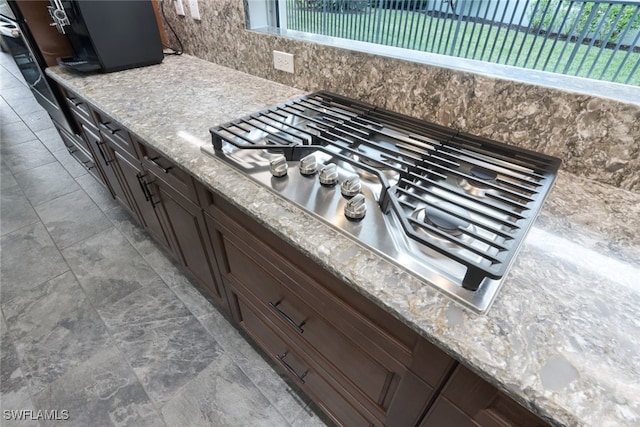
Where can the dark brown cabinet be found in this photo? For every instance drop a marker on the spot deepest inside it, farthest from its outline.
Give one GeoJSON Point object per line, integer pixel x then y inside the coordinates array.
{"type": "Point", "coordinates": [313, 325]}
{"type": "Point", "coordinates": [144, 204]}
{"type": "Point", "coordinates": [79, 108]}
{"type": "Point", "coordinates": [469, 401]}
{"type": "Point", "coordinates": [358, 363]}
{"type": "Point", "coordinates": [105, 157]}
{"type": "Point", "coordinates": [79, 151]}
{"type": "Point", "coordinates": [77, 143]}
{"type": "Point", "coordinates": [157, 193]}
{"type": "Point", "coordinates": [187, 232]}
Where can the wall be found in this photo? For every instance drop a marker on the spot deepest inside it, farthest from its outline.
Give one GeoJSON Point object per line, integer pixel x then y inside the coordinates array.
{"type": "Point", "coordinates": [596, 137]}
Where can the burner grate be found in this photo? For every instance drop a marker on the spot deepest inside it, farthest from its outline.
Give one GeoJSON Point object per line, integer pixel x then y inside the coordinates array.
{"type": "Point", "coordinates": [501, 217]}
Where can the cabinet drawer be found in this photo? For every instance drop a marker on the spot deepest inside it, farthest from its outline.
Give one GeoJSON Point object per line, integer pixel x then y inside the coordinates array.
{"type": "Point", "coordinates": [358, 316]}
{"type": "Point", "coordinates": [484, 404]}
{"type": "Point", "coordinates": [303, 323]}
{"type": "Point", "coordinates": [78, 107]}
{"type": "Point", "coordinates": [79, 151]}
{"type": "Point", "coordinates": [165, 170]}
{"type": "Point", "coordinates": [118, 137]}
{"type": "Point", "coordinates": [262, 331]}
{"type": "Point", "coordinates": [71, 142]}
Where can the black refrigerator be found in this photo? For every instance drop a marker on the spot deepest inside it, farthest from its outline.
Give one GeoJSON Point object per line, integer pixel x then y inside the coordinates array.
{"type": "Point", "coordinates": [18, 40]}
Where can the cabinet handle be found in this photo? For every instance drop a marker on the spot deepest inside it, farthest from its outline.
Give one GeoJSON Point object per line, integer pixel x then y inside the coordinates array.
{"type": "Point", "coordinates": [145, 189]}
{"type": "Point", "coordinates": [285, 316]}
{"type": "Point", "coordinates": [290, 368]}
{"type": "Point", "coordinates": [142, 187]}
{"type": "Point", "coordinates": [85, 163]}
{"type": "Point", "coordinates": [154, 161]}
{"type": "Point", "coordinates": [104, 157]}
{"type": "Point", "coordinates": [71, 150]}
{"type": "Point", "coordinates": [106, 126]}
{"type": "Point", "coordinates": [146, 185]}
{"type": "Point", "coordinates": [74, 102]}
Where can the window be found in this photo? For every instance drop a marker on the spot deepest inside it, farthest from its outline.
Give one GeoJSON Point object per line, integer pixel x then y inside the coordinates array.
{"type": "Point", "coordinates": [594, 39]}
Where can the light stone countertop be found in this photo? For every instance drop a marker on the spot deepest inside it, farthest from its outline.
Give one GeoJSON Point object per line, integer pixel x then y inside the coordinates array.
{"type": "Point", "coordinates": [563, 336]}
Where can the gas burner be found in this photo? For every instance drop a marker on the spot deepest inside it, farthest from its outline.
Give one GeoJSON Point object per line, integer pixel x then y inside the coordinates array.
{"type": "Point", "coordinates": [374, 159]}
{"type": "Point", "coordinates": [436, 216]}
{"type": "Point", "coordinates": [478, 186]}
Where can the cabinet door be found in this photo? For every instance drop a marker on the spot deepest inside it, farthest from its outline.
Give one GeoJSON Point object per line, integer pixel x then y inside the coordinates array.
{"type": "Point", "coordinates": [140, 194]}
{"type": "Point", "coordinates": [105, 158]}
{"type": "Point", "coordinates": [188, 235]}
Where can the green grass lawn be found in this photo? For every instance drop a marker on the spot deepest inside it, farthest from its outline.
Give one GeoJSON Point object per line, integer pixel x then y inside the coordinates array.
{"type": "Point", "coordinates": [490, 43]}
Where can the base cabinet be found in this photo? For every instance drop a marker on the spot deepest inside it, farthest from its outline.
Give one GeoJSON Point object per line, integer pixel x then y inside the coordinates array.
{"type": "Point", "coordinates": [313, 325]}
{"type": "Point", "coordinates": [148, 214]}
{"type": "Point", "coordinates": [358, 363]}
{"type": "Point", "coordinates": [187, 232]}
{"type": "Point", "coordinates": [309, 375]}
{"type": "Point", "coordinates": [108, 164]}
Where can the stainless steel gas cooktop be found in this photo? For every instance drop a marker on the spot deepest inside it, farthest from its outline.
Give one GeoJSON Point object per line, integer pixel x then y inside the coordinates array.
{"type": "Point", "coordinates": [451, 208]}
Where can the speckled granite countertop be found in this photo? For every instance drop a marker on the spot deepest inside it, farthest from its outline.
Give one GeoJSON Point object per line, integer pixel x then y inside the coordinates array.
{"type": "Point", "coordinates": [563, 336]}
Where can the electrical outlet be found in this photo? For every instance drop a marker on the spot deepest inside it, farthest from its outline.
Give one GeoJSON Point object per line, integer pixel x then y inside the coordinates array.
{"type": "Point", "coordinates": [195, 12]}
{"type": "Point", "coordinates": [283, 61]}
{"type": "Point", "coordinates": [179, 7]}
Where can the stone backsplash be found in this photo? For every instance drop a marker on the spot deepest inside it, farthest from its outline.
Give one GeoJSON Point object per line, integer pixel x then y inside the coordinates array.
{"type": "Point", "coordinates": [598, 138]}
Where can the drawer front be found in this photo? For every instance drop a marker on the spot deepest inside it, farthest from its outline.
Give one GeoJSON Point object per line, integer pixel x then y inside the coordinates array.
{"type": "Point", "coordinates": [262, 331]}
{"type": "Point", "coordinates": [165, 170]}
{"type": "Point", "coordinates": [72, 143]}
{"type": "Point", "coordinates": [85, 160]}
{"type": "Point", "coordinates": [301, 321]}
{"type": "Point", "coordinates": [118, 137]}
{"type": "Point", "coordinates": [78, 149]}
{"type": "Point", "coordinates": [484, 404]}
{"type": "Point", "coordinates": [78, 107]}
{"type": "Point", "coordinates": [363, 318]}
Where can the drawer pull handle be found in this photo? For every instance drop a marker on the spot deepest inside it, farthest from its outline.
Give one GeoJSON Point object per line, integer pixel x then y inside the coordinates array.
{"type": "Point", "coordinates": [290, 368]}
{"type": "Point", "coordinates": [88, 165]}
{"type": "Point", "coordinates": [155, 162]}
{"type": "Point", "coordinates": [285, 316]}
{"type": "Point", "coordinates": [74, 102]}
{"type": "Point", "coordinates": [106, 126]}
{"type": "Point", "coordinates": [71, 150]}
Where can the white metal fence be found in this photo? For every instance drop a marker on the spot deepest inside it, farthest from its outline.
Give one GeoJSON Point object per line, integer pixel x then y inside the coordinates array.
{"type": "Point", "coordinates": [594, 39]}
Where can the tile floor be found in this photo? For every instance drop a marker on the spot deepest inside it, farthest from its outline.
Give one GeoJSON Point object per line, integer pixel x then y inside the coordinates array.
{"type": "Point", "coordinates": [96, 319]}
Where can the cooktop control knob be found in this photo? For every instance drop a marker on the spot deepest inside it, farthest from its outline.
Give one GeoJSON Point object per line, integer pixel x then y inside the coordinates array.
{"type": "Point", "coordinates": [278, 166]}
{"type": "Point", "coordinates": [308, 165]}
{"type": "Point", "coordinates": [328, 175]}
{"type": "Point", "coordinates": [355, 209]}
{"type": "Point", "coordinates": [351, 186]}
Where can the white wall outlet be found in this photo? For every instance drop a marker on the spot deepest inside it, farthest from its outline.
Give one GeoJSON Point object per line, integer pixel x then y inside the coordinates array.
{"type": "Point", "coordinates": [283, 61]}
{"type": "Point", "coordinates": [179, 7]}
{"type": "Point", "coordinates": [195, 12]}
